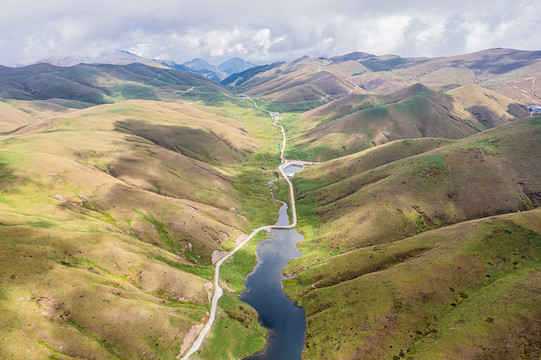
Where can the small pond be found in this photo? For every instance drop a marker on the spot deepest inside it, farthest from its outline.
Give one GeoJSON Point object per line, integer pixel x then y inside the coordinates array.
{"type": "Point", "coordinates": [292, 169]}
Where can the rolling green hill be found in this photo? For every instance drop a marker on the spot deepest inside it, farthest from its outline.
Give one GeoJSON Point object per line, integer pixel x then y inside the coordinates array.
{"type": "Point", "coordinates": [358, 122]}
{"type": "Point", "coordinates": [110, 218]}
{"type": "Point", "coordinates": [103, 83]}
{"type": "Point", "coordinates": [395, 262]}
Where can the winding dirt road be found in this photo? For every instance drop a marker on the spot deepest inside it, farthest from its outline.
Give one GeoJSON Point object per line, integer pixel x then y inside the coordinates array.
{"type": "Point", "coordinates": [218, 292]}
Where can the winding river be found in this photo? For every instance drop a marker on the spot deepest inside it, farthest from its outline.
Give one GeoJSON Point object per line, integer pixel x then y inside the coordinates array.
{"type": "Point", "coordinates": [285, 237]}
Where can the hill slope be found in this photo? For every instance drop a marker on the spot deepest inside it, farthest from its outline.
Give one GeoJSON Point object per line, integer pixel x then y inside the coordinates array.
{"type": "Point", "coordinates": [295, 82]}
{"type": "Point", "coordinates": [386, 273]}
{"type": "Point", "coordinates": [499, 69]}
{"type": "Point", "coordinates": [510, 72]}
{"type": "Point", "coordinates": [104, 83]}
{"type": "Point", "coordinates": [355, 123]}
{"type": "Point", "coordinates": [110, 219]}
{"type": "Point", "coordinates": [489, 107]}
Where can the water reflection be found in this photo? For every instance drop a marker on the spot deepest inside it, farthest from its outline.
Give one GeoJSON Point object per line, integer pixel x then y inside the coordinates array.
{"type": "Point", "coordinates": [264, 291]}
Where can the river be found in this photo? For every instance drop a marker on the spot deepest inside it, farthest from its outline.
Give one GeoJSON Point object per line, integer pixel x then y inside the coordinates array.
{"type": "Point", "coordinates": [264, 291]}
{"type": "Point", "coordinates": [286, 321]}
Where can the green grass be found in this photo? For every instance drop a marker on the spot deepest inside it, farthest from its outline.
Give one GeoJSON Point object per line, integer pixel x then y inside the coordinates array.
{"type": "Point", "coordinates": [51, 348]}
{"type": "Point", "coordinates": [206, 272]}
{"type": "Point", "coordinates": [102, 342]}
{"type": "Point", "coordinates": [117, 208]}
{"type": "Point", "coordinates": [377, 111]}
{"type": "Point", "coordinates": [236, 333]}
{"type": "Point", "coordinates": [42, 224]}
{"type": "Point", "coordinates": [134, 91]}
{"type": "Point", "coordinates": [413, 112]}
{"type": "Point", "coordinates": [293, 107]}
{"type": "Point", "coordinates": [429, 163]}
{"type": "Point", "coordinates": [371, 288]}
{"type": "Point", "coordinates": [255, 198]}
{"type": "Point", "coordinates": [461, 274]}
{"type": "Point", "coordinates": [234, 271]}
{"type": "Point", "coordinates": [160, 228]}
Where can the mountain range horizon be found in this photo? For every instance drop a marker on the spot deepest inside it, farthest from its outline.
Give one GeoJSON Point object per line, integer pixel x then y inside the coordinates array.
{"type": "Point", "coordinates": [121, 55]}
{"type": "Point", "coordinates": [219, 71]}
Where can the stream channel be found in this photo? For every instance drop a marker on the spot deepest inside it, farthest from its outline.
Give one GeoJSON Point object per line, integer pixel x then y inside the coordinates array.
{"type": "Point", "coordinates": [264, 291]}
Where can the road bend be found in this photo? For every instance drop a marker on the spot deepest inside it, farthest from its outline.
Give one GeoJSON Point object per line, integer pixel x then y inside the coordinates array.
{"type": "Point", "coordinates": [218, 292]}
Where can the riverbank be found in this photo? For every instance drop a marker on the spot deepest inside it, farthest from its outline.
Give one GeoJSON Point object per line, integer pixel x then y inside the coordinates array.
{"type": "Point", "coordinates": [218, 291]}
{"type": "Point", "coordinates": [264, 292]}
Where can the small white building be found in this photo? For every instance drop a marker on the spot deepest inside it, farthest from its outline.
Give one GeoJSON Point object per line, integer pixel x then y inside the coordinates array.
{"type": "Point", "coordinates": [534, 109]}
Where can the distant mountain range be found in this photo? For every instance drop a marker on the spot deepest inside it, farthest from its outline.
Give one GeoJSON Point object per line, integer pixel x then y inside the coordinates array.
{"type": "Point", "coordinates": [123, 57]}
{"type": "Point", "coordinates": [91, 84]}
{"type": "Point", "coordinates": [116, 57]}
{"type": "Point", "coordinates": [307, 79]}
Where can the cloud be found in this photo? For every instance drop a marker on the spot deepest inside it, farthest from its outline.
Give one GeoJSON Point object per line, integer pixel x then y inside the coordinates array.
{"type": "Point", "coordinates": [263, 31]}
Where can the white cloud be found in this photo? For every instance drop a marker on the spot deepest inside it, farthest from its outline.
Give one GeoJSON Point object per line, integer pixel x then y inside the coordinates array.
{"type": "Point", "coordinates": [383, 34]}
{"type": "Point", "coordinates": [264, 31]}
{"type": "Point", "coordinates": [431, 33]}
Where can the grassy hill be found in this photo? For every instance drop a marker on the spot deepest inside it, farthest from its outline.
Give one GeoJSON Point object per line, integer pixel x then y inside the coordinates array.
{"type": "Point", "coordinates": [417, 248]}
{"type": "Point", "coordinates": [110, 217]}
{"type": "Point", "coordinates": [294, 82]}
{"type": "Point", "coordinates": [468, 291]}
{"type": "Point", "coordinates": [121, 184]}
{"type": "Point", "coordinates": [358, 122]}
{"type": "Point", "coordinates": [103, 83]}
{"type": "Point", "coordinates": [488, 68]}
{"type": "Point", "coordinates": [12, 117]}
{"type": "Point", "coordinates": [489, 107]}
{"type": "Point", "coordinates": [510, 72]}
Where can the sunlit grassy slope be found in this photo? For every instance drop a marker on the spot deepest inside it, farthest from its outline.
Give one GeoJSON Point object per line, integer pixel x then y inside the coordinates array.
{"type": "Point", "coordinates": [109, 217]}
{"type": "Point", "coordinates": [424, 249]}
{"type": "Point", "coordinates": [296, 82]}
{"type": "Point", "coordinates": [358, 122]}
{"type": "Point", "coordinates": [510, 72]}
{"type": "Point", "coordinates": [41, 91]}
{"type": "Point", "coordinates": [489, 107]}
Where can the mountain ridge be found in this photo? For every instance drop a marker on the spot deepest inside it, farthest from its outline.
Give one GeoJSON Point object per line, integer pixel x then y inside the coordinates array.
{"type": "Point", "coordinates": [123, 57]}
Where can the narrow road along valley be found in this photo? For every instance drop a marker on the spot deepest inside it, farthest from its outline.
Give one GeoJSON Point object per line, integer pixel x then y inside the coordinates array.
{"type": "Point", "coordinates": [218, 292]}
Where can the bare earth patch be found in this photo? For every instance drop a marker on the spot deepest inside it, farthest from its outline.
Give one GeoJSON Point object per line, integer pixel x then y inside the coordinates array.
{"type": "Point", "coordinates": [189, 338]}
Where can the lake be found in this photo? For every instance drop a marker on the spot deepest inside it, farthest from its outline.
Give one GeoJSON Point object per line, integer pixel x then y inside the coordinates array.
{"type": "Point", "coordinates": [264, 291]}
{"type": "Point", "coordinates": [292, 169]}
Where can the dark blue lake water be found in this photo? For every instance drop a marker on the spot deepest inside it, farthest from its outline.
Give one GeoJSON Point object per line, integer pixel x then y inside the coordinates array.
{"type": "Point", "coordinates": [264, 291]}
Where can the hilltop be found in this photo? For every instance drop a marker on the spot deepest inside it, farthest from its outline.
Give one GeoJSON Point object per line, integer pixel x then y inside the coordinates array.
{"type": "Point", "coordinates": [358, 122]}
{"type": "Point", "coordinates": [123, 57]}
{"type": "Point", "coordinates": [507, 71]}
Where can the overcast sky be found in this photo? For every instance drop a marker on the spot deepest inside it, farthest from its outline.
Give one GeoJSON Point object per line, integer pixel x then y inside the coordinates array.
{"type": "Point", "coordinates": [263, 31]}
